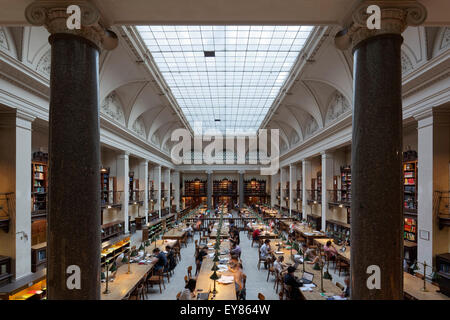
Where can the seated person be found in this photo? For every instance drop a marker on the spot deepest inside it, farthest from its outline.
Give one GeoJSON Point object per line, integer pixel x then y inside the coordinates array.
{"type": "Point", "coordinates": [280, 265]}
{"type": "Point", "coordinates": [265, 251]}
{"type": "Point", "coordinates": [291, 280]}
{"type": "Point", "coordinates": [161, 259]}
{"type": "Point", "coordinates": [170, 255]}
{"type": "Point", "coordinates": [256, 234]}
{"type": "Point", "coordinates": [330, 250]}
{"type": "Point", "coordinates": [235, 249]}
{"type": "Point", "coordinates": [236, 269]}
{"type": "Point", "coordinates": [188, 292]}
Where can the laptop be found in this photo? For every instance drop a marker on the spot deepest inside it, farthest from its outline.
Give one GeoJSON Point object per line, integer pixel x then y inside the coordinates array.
{"type": "Point", "coordinates": [307, 277]}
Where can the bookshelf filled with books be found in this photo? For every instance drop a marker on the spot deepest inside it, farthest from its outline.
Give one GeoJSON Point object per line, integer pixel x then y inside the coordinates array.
{"type": "Point", "coordinates": [39, 187]}
{"type": "Point", "coordinates": [410, 186]}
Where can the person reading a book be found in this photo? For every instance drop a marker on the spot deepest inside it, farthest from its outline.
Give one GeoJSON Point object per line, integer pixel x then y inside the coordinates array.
{"type": "Point", "coordinates": [235, 249]}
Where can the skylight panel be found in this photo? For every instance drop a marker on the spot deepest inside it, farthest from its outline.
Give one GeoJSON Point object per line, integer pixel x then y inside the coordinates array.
{"type": "Point", "coordinates": [231, 73]}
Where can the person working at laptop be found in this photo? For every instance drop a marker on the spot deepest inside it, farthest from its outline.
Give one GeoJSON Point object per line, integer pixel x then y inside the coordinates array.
{"type": "Point", "coordinates": [294, 284]}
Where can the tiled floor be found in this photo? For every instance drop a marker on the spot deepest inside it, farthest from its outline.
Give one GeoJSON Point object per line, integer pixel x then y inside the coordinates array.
{"type": "Point", "coordinates": [256, 279]}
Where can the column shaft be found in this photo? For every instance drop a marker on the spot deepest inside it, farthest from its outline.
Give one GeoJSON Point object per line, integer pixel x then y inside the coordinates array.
{"type": "Point", "coordinates": [327, 184]}
{"type": "Point", "coordinates": [123, 184]}
{"type": "Point", "coordinates": [377, 216]}
{"type": "Point", "coordinates": [241, 189]}
{"type": "Point", "coordinates": [209, 190]}
{"type": "Point", "coordinates": [73, 237]}
{"type": "Point", "coordinates": [306, 184]}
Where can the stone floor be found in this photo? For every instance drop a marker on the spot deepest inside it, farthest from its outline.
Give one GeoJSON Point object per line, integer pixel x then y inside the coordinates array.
{"type": "Point", "coordinates": [256, 279]}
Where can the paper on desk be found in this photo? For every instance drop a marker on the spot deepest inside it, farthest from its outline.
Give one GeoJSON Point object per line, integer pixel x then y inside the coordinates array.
{"type": "Point", "coordinates": [309, 285]}
{"type": "Point", "coordinates": [305, 289]}
{"type": "Point", "coordinates": [226, 279]}
{"type": "Point", "coordinates": [339, 298]}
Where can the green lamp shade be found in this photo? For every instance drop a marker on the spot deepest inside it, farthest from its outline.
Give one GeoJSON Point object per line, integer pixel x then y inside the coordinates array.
{"type": "Point", "coordinates": [102, 276]}
{"type": "Point", "coordinates": [141, 247]}
{"type": "Point", "coordinates": [214, 267]}
{"type": "Point", "coordinates": [327, 275]}
{"type": "Point", "coordinates": [307, 259]}
{"type": "Point", "coordinates": [134, 253]}
{"type": "Point", "coordinates": [316, 266]}
{"type": "Point", "coordinates": [125, 259]}
{"type": "Point", "coordinates": [147, 243]}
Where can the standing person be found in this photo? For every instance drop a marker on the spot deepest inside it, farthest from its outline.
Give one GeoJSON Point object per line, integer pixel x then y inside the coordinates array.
{"type": "Point", "coordinates": [199, 259]}
{"type": "Point", "coordinates": [265, 251]}
{"type": "Point", "coordinates": [188, 292]}
{"type": "Point", "coordinates": [256, 234]}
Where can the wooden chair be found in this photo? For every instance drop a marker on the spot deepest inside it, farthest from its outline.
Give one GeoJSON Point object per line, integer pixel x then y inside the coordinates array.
{"type": "Point", "coordinates": [189, 272]}
{"type": "Point", "coordinates": [270, 268]}
{"type": "Point", "coordinates": [138, 293]}
{"type": "Point", "coordinates": [196, 245]}
{"type": "Point", "coordinates": [244, 280]}
{"type": "Point", "coordinates": [278, 280]}
{"type": "Point", "coordinates": [340, 286]}
{"type": "Point", "coordinates": [156, 278]}
{"type": "Point", "coordinates": [261, 296]}
{"type": "Point", "coordinates": [186, 279]}
{"type": "Point", "coordinates": [342, 265]}
{"type": "Point", "coordinates": [177, 253]}
{"type": "Point", "coordinates": [260, 259]}
{"type": "Point", "coordinates": [166, 273]}
{"type": "Point", "coordinates": [178, 295]}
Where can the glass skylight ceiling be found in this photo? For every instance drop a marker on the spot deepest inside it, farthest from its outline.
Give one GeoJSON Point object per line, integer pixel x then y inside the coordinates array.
{"type": "Point", "coordinates": [239, 83]}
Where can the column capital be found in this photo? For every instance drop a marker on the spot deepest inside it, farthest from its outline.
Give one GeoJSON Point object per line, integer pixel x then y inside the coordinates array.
{"type": "Point", "coordinates": [208, 171]}
{"type": "Point", "coordinates": [53, 16]}
{"type": "Point", "coordinates": [326, 155]}
{"type": "Point", "coordinates": [241, 171]}
{"type": "Point", "coordinates": [396, 16]}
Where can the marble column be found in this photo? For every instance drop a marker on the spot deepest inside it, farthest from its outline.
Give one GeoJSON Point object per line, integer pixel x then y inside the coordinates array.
{"type": "Point", "coordinates": [209, 189]}
{"type": "Point", "coordinates": [143, 179]}
{"type": "Point", "coordinates": [306, 184]}
{"type": "Point", "coordinates": [377, 215]}
{"type": "Point", "coordinates": [327, 184]}
{"type": "Point", "coordinates": [73, 242]}
{"type": "Point", "coordinates": [241, 189]}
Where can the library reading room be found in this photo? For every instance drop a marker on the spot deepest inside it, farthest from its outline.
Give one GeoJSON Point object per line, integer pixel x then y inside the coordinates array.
{"type": "Point", "coordinates": [224, 150]}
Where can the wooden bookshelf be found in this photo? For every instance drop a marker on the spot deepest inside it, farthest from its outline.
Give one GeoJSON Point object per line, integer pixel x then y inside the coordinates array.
{"type": "Point", "coordinates": [113, 248]}
{"type": "Point", "coordinates": [410, 187]}
{"type": "Point", "coordinates": [105, 186]}
{"type": "Point", "coordinates": [225, 187]}
{"type": "Point", "coordinates": [195, 188]}
{"type": "Point", "coordinates": [39, 188]}
{"type": "Point", "coordinates": [346, 184]}
{"type": "Point", "coordinates": [112, 229]}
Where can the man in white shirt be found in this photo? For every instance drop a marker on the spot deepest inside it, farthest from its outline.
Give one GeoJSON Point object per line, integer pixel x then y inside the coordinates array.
{"type": "Point", "coordinates": [265, 251]}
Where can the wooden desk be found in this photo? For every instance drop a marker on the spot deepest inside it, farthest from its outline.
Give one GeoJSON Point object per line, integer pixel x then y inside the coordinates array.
{"type": "Point", "coordinates": [412, 289]}
{"type": "Point", "coordinates": [174, 234]}
{"type": "Point", "coordinates": [343, 255]}
{"type": "Point", "coordinates": [224, 291]}
{"type": "Point", "coordinates": [330, 288]}
{"type": "Point", "coordinates": [125, 283]}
